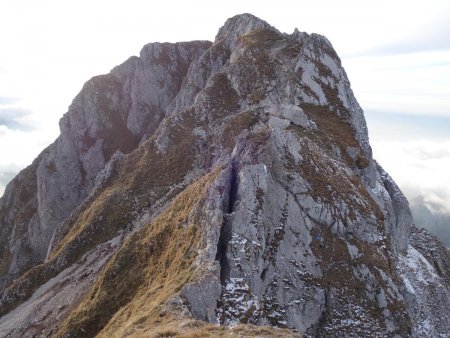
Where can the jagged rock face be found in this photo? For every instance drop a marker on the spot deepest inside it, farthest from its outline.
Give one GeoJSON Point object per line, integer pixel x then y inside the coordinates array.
{"type": "Point", "coordinates": [112, 113]}
{"type": "Point", "coordinates": [425, 270]}
{"type": "Point", "coordinates": [279, 214]}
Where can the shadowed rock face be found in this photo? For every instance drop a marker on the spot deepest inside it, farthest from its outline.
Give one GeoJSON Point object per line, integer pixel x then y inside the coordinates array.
{"type": "Point", "coordinates": [232, 182]}
{"type": "Point", "coordinates": [112, 113]}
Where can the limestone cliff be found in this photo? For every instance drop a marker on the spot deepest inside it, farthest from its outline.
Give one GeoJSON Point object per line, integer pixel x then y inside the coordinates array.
{"type": "Point", "coordinates": [228, 182]}
{"type": "Point", "coordinates": [112, 113]}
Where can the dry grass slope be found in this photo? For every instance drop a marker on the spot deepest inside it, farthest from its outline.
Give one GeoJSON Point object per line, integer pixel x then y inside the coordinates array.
{"type": "Point", "coordinates": [150, 267]}
{"type": "Point", "coordinates": [189, 328]}
{"type": "Point", "coordinates": [260, 38]}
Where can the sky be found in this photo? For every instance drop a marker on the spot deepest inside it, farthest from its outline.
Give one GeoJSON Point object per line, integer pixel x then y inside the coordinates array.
{"type": "Point", "coordinates": [396, 55]}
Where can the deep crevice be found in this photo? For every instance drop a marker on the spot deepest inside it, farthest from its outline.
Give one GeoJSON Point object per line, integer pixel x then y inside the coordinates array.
{"type": "Point", "coordinates": [263, 274]}
{"type": "Point", "coordinates": [221, 256]}
{"type": "Point", "coordinates": [233, 187]}
{"type": "Point", "coordinates": [225, 231]}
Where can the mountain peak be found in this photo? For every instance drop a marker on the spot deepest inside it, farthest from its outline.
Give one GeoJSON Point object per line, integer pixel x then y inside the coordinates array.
{"type": "Point", "coordinates": [240, 25]}
{"type": "Point", "coordinates": [228, 183]}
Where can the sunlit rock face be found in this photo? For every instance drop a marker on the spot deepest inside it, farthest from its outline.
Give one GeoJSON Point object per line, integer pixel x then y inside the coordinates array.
{"type": "Point", "coordinates": [232, 182]}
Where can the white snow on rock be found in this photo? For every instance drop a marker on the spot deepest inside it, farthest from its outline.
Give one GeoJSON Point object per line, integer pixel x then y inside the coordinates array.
{"type": "Point", "coordinates": [240, 305]}
{"type": "Point", "coordinates": [426, 297]}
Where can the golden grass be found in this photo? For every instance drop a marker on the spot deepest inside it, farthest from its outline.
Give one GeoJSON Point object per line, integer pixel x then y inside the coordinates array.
{"type": "Point", "coordinates": [255, 64]}
{"type": "Point", "coordinates": [330, 124]}
{"type": "Point", "coordinates": [152, 265]}
{"type": "Point", "coordinates": [190, 328]}
{"type": "Point", "coordinates": [330, 182]}
{"type": "Point", "coordinates": [221, 98]}
{"type": "Point", "coordinates": [144, 178]}
{"type": "Point", "coordinates": [260, 38]}
{"type": "Point", "coordinates": [89, 218]}
{"type": "Point", "coordinates": [236, 124]}
{"type": "Point", "coordinates": [335, 127]}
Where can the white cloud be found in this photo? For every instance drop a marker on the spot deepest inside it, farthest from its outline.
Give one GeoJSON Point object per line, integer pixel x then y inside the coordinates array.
{"type": "Point", "coordinates": [420, 168]}
{"type": "Point", "coordinates": [18, 149]}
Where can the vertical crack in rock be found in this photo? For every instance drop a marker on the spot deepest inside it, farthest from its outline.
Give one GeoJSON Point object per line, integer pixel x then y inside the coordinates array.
{"type": "Point", "coordinates": [225, 232]}
{"type": "Point", "coordinates": [233, 187]}
{"type": "Point", "coordinates": [263, 274]}
{"type": "Point", "coordinates": [221, 256]}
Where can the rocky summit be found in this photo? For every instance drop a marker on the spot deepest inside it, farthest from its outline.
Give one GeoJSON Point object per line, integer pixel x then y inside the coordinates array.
{"type": "Point", "coordinates": [221, 189]}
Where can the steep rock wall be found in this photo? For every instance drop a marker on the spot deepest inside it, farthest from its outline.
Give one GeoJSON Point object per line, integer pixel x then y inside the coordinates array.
{"type": "Point", "coordinates": [112, 113]}
{"type": "Point", "coordinates": [297, 227]}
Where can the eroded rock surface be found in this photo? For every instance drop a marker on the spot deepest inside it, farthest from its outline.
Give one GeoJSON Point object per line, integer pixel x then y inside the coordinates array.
{"type": "Point", "coordinates": [239, 178]}
{"type": "Point", "coordinates": [111, 113]}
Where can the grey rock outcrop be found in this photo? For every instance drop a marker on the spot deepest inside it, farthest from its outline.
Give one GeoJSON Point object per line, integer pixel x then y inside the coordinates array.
{"type": "Point", "coordinates": [131, 101]}
{"type": "Point", "coordinates": [298, 226]}
{"type": "Point", "coordinates": [425, 271]}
